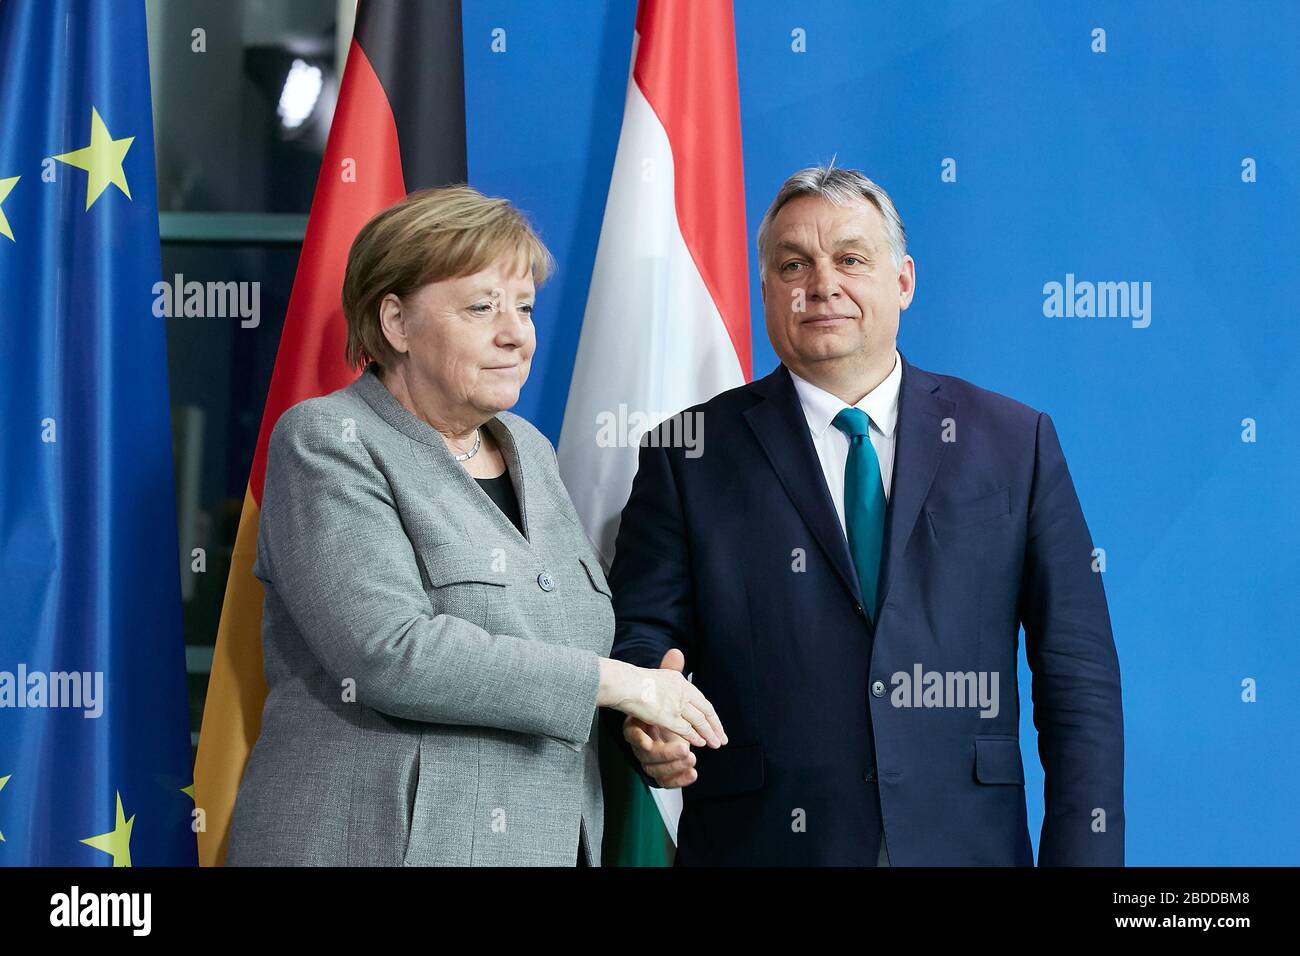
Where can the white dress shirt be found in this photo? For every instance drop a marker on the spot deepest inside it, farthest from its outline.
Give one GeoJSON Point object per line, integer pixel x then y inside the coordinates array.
{"type": "Point", "coordinates": [820, 408]}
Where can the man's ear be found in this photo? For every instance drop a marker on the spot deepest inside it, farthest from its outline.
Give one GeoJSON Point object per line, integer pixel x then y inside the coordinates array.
{"type": "Point", "coordinates": [906, 283]}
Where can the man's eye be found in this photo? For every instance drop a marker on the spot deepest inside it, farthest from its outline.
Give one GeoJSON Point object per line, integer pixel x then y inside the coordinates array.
{"type": "Point", "coordinates": [853, 260]}
{"type": "Point", "coordinates": [790, 266]}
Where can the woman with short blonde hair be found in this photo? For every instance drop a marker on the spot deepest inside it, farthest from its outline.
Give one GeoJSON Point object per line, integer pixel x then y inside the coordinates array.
{"type": "Point", "coordinates": [436, 623]}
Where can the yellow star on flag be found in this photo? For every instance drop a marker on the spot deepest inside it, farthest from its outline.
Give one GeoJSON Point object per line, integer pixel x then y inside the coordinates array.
{"type": "Point", "coordinates": [117, 842]}
{"type": "Point", "coordinates": [4, 779]}
{"type": "Point", "coordinates": [102, 159]}
{"type": "Point", "coordinates": [6, 187]}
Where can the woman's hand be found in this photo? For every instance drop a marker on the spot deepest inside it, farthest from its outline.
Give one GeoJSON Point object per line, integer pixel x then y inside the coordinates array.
{"type": "Point", "coordinates": [660, 697]}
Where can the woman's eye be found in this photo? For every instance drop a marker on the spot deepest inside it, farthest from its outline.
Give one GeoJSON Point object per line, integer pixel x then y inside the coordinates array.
{"type": "Point", "coordinates": [483, 308]}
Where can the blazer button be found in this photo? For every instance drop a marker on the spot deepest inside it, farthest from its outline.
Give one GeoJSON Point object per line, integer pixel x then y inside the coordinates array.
{"type": "Point", "coordinates": [544, 582]}
{"type": "Point", "coordinates": [870, 775]}
{"type": "Point", "coordinates": [878, 688]}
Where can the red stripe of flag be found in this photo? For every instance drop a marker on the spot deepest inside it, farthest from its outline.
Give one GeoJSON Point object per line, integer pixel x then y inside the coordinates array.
{"type": "Point", "coordinates": [686, 69]}
{"type": "Point", "coordinates": [310, 360]}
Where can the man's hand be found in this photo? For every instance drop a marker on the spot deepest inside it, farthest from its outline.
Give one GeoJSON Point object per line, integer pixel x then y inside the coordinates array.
{"type": "Point", "coordinates": [664, 755]}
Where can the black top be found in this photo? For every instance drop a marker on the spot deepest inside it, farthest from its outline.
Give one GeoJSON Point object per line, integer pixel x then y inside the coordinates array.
{"type": "Point", "coordinates": [502, 491]}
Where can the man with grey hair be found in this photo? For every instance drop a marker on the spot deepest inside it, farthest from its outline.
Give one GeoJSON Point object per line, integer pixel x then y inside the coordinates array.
{"type": "Point", "coordinates": [845, 572]}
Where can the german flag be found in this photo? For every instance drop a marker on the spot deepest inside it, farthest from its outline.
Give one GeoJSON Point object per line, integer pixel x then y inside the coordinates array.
{"type": "Point", "coordinates": [399, 126]}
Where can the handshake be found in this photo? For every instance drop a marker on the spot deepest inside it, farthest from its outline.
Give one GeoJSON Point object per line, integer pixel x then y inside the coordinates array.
{"type": "Point", "coordinates": [666, 715]}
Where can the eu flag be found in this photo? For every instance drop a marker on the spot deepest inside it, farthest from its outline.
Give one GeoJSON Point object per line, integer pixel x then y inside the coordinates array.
{"type": "Point", "coordinates": [94, 742]}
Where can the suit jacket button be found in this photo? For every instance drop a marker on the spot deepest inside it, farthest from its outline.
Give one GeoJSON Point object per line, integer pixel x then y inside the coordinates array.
{"type": "Point", "coordinates": [878, 688]}
{"type": "Point", "coordinates": [870, 775]}
{"type": "Point", "coordinates": [545, 582]}
{"type": "Point", "coordinates": [860, 610]}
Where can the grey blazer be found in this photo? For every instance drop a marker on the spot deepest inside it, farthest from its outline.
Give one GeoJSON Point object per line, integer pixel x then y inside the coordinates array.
{"type": "Point", "coordinates": [432, 673]}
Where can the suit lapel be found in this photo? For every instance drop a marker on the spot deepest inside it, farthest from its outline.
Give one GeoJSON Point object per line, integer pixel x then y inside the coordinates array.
{"type": "Point", "coordinates": [918, 449]}
{"type": "Point", "coordinates": [782, 430]}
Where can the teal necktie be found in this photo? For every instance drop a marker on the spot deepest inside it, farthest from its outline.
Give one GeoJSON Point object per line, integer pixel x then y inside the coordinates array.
{"type": "Point", "coordinates": [864, 504]}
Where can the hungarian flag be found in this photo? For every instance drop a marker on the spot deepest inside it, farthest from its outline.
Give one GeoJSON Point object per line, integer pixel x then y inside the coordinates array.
{"type": "Point", "coordinates": [399, 126]}
{"type": "Point", "coordinates": [667, 318]}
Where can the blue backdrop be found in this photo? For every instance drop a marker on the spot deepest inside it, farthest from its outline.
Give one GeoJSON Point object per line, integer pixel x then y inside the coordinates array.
{"type": "Point", "coordinates": [1167, 159]}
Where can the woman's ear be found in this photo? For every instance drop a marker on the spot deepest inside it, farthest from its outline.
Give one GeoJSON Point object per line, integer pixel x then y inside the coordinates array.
{"type": "Point", "coordinates": [393, 322]}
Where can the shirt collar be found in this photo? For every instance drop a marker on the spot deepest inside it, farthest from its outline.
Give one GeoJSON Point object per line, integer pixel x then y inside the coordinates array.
{"type": "Point", "coordinates": [881, 403]}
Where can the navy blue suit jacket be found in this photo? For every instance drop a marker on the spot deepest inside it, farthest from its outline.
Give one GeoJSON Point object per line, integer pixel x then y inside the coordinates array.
{"type": "Point", "coordinates": [736, 557]}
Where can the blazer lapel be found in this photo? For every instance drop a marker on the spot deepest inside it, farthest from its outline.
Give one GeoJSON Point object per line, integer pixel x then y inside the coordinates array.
{"type": "Point", "coordinates": [515, 466]}
{"type": "Point", "coordinates": [781, 428]}
{"type": "Point", "coordinates": [918, 449]}
{"type": "Point", "coordinates": [439, 456]}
